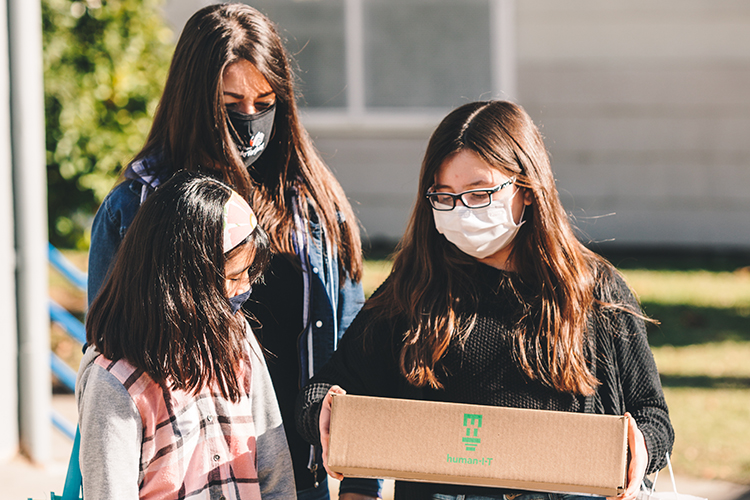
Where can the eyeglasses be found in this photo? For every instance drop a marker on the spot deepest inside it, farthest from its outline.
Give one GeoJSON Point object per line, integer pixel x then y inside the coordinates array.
{"type": "Point", "coordinates": [473, 198]}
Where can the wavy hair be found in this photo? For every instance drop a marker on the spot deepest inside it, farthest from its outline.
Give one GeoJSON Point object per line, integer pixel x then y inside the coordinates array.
{"type": "Point", "coordinates": [190, 130]}
{"type": "Point", "coordinates": [430, 274]}
{"type": "Point", "coordinates": [164, 307]}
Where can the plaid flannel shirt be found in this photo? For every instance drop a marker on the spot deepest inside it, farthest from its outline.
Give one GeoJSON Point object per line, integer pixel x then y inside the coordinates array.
{"type": "Point", "coordinates": [196, 446]}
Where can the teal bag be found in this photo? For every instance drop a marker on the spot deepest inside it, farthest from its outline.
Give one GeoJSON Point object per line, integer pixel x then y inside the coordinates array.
{"type": "Point", "coordinates": [73, 480]}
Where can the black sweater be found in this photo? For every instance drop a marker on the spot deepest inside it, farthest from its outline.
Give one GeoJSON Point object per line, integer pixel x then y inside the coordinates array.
{"type": "Point", "coordinates": [483, 371]}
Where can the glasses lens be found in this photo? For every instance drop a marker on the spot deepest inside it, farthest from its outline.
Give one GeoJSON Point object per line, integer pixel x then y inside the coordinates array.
{"type": "Point", "coordinates": [477, 199]}
{"type": "Point", "coordinates": [441, 201]}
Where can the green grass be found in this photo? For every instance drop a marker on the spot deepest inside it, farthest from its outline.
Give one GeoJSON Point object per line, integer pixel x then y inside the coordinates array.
{"type": "Point", "coordinates": [694, 307]}
{"type": "Point", "coordinates": [702, 349]}
{"type": "Point", "coordinates": [697, 288]}
{"type": "Point", "coordinates": [376, 271]}
{"type": "Point", "coordinates": [711, 432]}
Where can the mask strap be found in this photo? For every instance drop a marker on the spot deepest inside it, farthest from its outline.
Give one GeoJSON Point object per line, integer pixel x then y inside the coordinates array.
{"type": "Point", "coordinates": [523, 210]}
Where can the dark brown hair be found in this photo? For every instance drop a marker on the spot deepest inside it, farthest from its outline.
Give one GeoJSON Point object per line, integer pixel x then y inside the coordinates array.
{"type": "Point", "coordinates": [429, 273]}
{"type": "Point", "coordinates": [190, 129]}
{"type": "Point", "coordinates": [164, 308]}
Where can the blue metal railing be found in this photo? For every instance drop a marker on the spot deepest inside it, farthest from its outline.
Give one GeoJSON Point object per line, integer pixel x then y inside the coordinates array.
{"type": "Point", "coordinates": [71, 325]}
{"type": "Point", "coordinates": [67, 321]}
{"type": "Point", "coordinates": [63, 425]}
{"type": "Point", "coordinates": [71, 272]}
{"type": "Point", "coordinates": [65, 374]}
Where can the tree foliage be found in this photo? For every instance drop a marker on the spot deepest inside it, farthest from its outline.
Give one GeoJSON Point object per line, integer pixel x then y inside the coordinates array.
{"type": "Point", "coordinates": [105, 62]}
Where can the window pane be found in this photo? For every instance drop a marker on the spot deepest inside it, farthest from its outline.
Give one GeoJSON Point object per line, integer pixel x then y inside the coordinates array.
{"type": "Point", "coordinates": [426, 53]}
{"type": "Point", "coordinates": [314, 36]}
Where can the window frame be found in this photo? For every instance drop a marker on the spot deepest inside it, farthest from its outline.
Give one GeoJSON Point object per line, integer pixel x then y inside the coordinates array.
{"type": "Point", "coordinates": [356, 116]}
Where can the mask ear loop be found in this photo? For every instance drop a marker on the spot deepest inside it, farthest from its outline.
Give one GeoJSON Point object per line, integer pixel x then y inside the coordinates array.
{"type": "Point", "coordinates": [521, 221]}
{"type": "Point", "coordinates": [523, 210]}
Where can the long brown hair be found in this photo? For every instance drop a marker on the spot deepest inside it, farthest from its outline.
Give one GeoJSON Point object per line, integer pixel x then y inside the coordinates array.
{"type": "Point", "coordinates": [429, 273]}
{"type": "Point", "coordinates": [190, 130]}
{"type": "Point", "coordinates": [164, 307]}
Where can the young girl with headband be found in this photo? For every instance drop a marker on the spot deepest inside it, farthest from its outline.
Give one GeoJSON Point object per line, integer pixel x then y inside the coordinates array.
{"type": "Point", "coordinates": [175, 401]}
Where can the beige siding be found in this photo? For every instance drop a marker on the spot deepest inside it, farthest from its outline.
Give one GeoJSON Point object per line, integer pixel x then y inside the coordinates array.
{"type": "Point", "coordinates": [645, 108]}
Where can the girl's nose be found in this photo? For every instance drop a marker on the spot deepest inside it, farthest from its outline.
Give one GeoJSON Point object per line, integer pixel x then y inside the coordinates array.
{"type": "Point", "coordinates": [246, 107]}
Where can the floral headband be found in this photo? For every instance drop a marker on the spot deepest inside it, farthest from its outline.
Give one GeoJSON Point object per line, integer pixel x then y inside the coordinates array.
{"type": "Point", "coordinates": [239, 221]}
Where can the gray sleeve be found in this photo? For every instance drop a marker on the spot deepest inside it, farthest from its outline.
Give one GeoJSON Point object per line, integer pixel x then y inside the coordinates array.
{"type": "Point", "coordinates": [275, 471]}
{"type": "Point", "coordinates": [111, 433]}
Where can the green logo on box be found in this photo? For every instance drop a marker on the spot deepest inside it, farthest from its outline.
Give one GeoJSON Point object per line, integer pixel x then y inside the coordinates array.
{"type": "Point", "coordinates": [472, 424]}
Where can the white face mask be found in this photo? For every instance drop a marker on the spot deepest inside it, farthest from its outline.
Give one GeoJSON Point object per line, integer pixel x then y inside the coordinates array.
{"type": "Point", "coordinates": [479, 232]}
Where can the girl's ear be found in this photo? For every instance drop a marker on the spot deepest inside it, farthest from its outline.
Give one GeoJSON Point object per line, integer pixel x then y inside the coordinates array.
{"type": "Point", "coordinates": [528, 196]}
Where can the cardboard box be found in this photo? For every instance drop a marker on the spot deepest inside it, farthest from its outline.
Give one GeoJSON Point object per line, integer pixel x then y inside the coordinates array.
{"type": "Point", "coordinates": [478, 445]}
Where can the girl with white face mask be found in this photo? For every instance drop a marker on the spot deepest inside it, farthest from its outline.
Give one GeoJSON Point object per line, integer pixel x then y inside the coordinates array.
{"type": "Point", "coordinates": [492, 300]}
{"type": "Point", "coordinates": [477, 208]}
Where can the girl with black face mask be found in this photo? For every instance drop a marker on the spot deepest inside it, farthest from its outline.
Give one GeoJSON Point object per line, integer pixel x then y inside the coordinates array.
{"type": "Point", "coordinates": [228, 110]}
{"type": "Point", "coordinates": [251, 132]}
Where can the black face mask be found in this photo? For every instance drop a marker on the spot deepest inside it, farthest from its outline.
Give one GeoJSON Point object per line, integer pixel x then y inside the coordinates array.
{"type": "Point", "coordinates": [251, 133]}
{"type": "Point", "coordinates": [238, 301]}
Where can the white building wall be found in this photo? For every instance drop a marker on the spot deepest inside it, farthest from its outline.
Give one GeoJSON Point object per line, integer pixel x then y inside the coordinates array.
{"type": "Point", "coordinates": [645, 109]}
{"type": "Point", "coordinates": [379, 176]}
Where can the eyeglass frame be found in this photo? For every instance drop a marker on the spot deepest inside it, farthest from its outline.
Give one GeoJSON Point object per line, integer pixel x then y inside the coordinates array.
{"type": "Point", "coordinates": [459, 196]}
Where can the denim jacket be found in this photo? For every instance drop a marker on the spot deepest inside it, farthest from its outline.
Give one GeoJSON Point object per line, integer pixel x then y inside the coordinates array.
{"type": "Point", "coordinates": [111, 222]}
{"type": "Point", "coordinates": [332, 305]}
{"type": "Point", "coordinates": [337, 308]}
